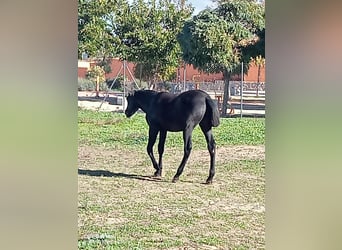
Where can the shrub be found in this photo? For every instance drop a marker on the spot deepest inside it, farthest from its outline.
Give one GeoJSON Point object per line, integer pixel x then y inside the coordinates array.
{"type": "Point", "coordinates": [117, 84]}
{"type": "Point", "coordinates": [87, 85]}
{"type": "Point", "coordinates": [164, 86]}
{"type": "Point", "coordinates": [103, 86]}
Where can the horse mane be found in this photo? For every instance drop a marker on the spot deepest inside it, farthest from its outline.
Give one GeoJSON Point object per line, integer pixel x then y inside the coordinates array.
{"type": "Point", "coordinates": [145, 92]}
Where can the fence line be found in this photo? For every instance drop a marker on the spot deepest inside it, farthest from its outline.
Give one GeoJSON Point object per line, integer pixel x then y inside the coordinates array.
{"type": "Point", "coordinates": [249, 88]}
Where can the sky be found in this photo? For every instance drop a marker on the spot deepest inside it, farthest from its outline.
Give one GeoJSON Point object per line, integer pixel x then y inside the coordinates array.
{"type": "Point", "coordinates": [197, 4]}
{"type": "Point", "coordinates": [200, 4]}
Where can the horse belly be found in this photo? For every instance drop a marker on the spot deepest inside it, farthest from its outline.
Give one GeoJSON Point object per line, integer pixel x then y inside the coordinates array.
{"type": "Point", "coordinates": [173, 123]}
{"type": "Point", "coordinates": [173, 126]}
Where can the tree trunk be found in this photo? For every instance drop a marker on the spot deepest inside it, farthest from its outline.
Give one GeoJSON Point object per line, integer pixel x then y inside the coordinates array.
{"type": "Point", "coordinates": [226, 93]}
{"type": "Point", "coordinates": [141, 70]}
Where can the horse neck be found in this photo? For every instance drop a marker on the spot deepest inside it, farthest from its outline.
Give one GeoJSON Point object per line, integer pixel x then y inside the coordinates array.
{"type": "Point", "coordinates": [144, 99]}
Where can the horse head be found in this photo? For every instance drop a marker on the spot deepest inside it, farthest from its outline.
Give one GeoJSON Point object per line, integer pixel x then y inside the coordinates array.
{"type": "Point", "coordinates": [132, 105]}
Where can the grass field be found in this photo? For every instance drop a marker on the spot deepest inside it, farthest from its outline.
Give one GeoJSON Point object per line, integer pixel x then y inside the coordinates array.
{"type": "Point", "coordinates": [121, 207]}
{"type": "Point", "coordinates": [115, 130]}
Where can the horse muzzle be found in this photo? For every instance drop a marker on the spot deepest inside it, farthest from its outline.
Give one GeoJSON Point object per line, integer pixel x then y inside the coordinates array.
{"type": "Point", "coordinates": [128, 114]}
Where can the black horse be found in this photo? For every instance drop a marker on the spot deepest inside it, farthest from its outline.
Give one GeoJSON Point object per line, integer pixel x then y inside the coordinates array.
{"type": "Point", "coordinates": [169, 112]}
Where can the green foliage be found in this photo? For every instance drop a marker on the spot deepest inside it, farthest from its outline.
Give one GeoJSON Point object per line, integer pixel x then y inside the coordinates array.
{"type": "Point", "coordinates": [149, 33]}
{"type": "Point", "coordinates": [85, 85]}
{"type": "Point", "coordinates": [105, 63]}
{"type": "Point", "coordinates": [94, 36]}
{"type": "Point", "coordinates": [205, 42]}
{"type": "Point", "coordinates": [115, 130]}
{"type": "Point", "coordinates": [96, 72]}
{"type": "Point", "coordinates": [220, 39]}
{"type": "Point", "coordinates": [213, 40]}
{"type": "Point", "coordinates": [141, 32]}
{"type": "Point", "coordinates": [163, 86]}
{"type": "Point", "coordinates": [117, 85]}
{"type": "Point", "coordinates": [255, 50]}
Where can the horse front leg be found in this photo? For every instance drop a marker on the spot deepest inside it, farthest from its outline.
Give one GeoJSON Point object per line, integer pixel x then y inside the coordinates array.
{"type": "Point", "coordinates": [187, 150]}
{"type": "Point", "coordinates": [152, 136]}
{"type": "Point", "coordinates": [161, 144]}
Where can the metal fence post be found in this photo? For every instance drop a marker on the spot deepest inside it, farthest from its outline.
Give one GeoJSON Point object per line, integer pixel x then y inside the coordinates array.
{"type": "Point", "coordinates": [241, 90]}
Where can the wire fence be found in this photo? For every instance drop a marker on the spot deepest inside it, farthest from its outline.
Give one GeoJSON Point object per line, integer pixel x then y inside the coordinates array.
{"type": "Point", "coordinates": [249, 102]}
{"type": "Point", "coordinates": [249, 88]}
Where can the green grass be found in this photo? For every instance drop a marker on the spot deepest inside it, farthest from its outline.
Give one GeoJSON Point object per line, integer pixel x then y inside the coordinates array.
{"type": "Point", "coordinates": [115, 130]}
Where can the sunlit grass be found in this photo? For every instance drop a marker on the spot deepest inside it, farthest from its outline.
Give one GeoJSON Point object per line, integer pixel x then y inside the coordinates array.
{"type": "Point", "coordinates": [114, 129]}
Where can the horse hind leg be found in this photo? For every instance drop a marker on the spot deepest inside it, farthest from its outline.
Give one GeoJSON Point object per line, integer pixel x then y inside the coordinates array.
{"type": "Point", "coordinates": [211, 145]}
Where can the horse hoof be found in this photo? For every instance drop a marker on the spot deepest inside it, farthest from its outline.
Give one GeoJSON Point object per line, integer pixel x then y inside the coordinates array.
{"type": "Point", "coordinates": [156, 174]}
{"type": "Point", "coordinates": [208, 182]}
{"type": "Point", "coordinates": [174, 180]}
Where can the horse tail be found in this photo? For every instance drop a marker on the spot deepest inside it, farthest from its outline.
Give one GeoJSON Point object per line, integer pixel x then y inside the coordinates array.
{"type": "Point", "coordinates": [212, 110]}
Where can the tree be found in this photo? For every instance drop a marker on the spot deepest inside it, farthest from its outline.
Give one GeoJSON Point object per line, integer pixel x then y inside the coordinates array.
{"type": "Point", "coordinates": [215, 40]}
{"type": "Point", "coordinates": [141, 31]}
{"type": "Point", "coordinates": [148, 35]}
{"type": "Point", "coordinates": [94, 36]}
{"type": "Point", "coordinates": [97, 75]}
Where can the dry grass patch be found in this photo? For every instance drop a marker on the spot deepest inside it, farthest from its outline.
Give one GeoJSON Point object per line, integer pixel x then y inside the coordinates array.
{"type": "Point", "coordinates": [121, 207]}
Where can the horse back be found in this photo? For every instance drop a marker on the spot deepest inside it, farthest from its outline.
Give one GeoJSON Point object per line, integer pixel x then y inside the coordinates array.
{"type": "Point", "coordinates": [188, 103]}
{"type": "Point", "coordinates": [175, 112]}
{"type": "Point", "coordinates": [201, 100]}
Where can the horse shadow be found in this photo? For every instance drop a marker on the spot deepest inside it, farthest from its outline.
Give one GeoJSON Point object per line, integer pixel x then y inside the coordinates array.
{"type": "Point", "coordinates": [106, 173]}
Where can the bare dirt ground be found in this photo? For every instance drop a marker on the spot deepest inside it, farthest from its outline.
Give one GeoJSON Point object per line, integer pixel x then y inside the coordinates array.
{"type": "Point", "coordinates": [121, 206]}
{"type": "Point", "coordinates": [88, 156]}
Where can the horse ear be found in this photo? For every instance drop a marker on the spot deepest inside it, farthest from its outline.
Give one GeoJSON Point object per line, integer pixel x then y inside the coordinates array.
{"type": "Point", "coordinates": [130, 93]}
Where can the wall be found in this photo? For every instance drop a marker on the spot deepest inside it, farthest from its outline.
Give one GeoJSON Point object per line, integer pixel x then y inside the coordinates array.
{"type": "Point", "coordinates": [192, 75]}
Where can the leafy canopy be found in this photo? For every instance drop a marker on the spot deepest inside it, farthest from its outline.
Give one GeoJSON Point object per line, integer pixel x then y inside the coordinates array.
{"type": "Point", "coordinates": [94, 36]}
{"type": "Point", "coordinates": [144, 32]}
{"type": "Point", "coordinates": [149, 34]}
{"type": "Point", "coordinates": [215, 39]}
